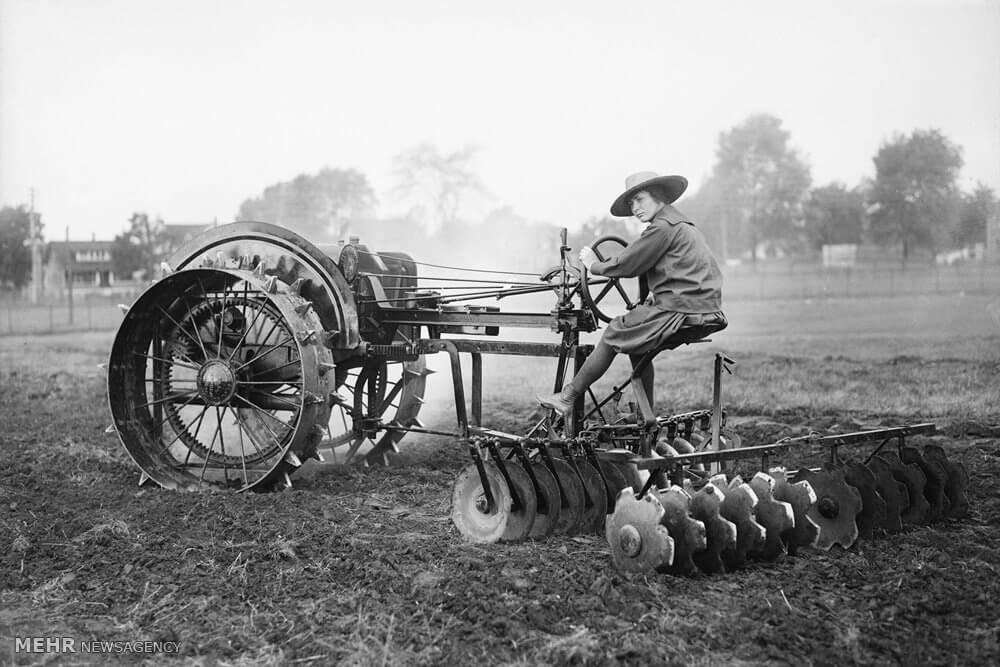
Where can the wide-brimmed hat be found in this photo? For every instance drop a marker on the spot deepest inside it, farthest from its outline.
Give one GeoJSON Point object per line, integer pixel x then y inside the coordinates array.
{"type": "Point", "coordinates": [672, 186]}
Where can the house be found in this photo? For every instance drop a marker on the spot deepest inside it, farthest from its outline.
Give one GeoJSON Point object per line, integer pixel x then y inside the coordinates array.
{"type": "Point", "coordinates": [84, 266]}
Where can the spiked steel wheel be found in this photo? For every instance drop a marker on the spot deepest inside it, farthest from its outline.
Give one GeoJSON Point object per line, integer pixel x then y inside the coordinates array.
{"type": "Point", "coordinates": [213, 381]}
{"type": "Point", "coordinates": [639, 541]}
{"type": "Point", "coordinates": [471, 512]}
{"type": "Point", "coordinates": [378, 392]}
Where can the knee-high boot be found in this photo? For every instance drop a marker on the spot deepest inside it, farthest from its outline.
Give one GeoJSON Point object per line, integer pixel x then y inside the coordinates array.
{"type": "Point", "coordinates": [593, 368]}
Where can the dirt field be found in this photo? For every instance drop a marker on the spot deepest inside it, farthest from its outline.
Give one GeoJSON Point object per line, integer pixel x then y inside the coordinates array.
{"type": "Point", "coordinates": [362, 566]}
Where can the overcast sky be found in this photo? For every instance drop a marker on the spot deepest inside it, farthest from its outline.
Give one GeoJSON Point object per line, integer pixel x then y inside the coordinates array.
{"type": "Point", "coordinates": [185, 108]}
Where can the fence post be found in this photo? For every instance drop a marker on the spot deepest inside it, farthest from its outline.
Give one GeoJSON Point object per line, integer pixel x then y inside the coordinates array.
{"type": "Point", "coordinates": [90, 324]}
{"type": "Point", "coordinates": [52, 326]}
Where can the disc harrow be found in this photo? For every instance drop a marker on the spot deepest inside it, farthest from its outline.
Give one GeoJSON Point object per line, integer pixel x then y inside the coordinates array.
{"type": "Point", "coordinates": [258, 353]}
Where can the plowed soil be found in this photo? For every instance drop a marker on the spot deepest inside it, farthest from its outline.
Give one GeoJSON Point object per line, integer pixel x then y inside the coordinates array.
{"type": "Point", "coordinates": [363, 566]}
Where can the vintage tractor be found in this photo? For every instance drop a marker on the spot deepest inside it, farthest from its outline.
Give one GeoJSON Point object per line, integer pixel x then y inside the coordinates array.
{"type": "Point", "coordinates": [258, 350]}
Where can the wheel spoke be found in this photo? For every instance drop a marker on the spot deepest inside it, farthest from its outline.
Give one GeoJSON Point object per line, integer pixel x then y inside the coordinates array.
{"type": "Point", "coordinates": [180, 431]}
{"type": "Point", "coordinates": [259, 355]}
{"type": "Point", "coordinates": [172, 397]}
{"type": "Point", "coordinates": [246, 330]}
{"type": "Point", "coordinates": [208, 454]}
{"type": "Point", "coordinates": [194, 436]}
{"type": "Point", "coordinates": [277, 397]}
{"type": "Point", "coordinates": [150, 357]}
{"type": "Point", "coordinates": [604, 291]}
{"type": "Point", "coordinates": [267, 414]}
{"type": "Point", "coordinates": [181, 329]}
{"type": "Point", "coordinates": [239, 430]}
{"type": "Point", "coordinates": [621, 291]}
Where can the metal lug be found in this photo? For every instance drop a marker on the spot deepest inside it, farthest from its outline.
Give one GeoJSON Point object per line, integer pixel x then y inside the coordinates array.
{"type": "Point", "coordinates": [111, 429]}
{"type": "Point", "coordinates": [302, 309]}
{"type": "Point", "coordinates": [165, 269]}
{"type": "Point", "coordinates": [296, 287]}
{"type": "Point", "coordinates": [123, 307]}
{"type": "Point", "coordinates": [143, 479]}
{"type": "Point", "coordinates": [325, 367]}
{"type": "Point", "coordinates": [271, 285]}
{"type": "Point", "coordinates": [292, 459]}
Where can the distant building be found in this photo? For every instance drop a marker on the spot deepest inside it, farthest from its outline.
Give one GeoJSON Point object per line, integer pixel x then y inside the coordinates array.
{"type": "Point", "coordinates": [86, 265]}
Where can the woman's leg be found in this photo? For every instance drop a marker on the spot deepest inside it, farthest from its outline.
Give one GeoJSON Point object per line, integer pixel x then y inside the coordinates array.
{"type": "Point", "coordinates": [593, 368]}
{"type": "Point", "coordinates": [646, 376]}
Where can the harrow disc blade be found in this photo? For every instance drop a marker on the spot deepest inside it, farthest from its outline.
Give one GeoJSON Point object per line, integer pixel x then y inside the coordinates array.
{"type": "Point", "coordinates": [596, 509]}
{"type": "Point", "coordinates": [573, 501]}
{"type": "Point", "coordinates": [937, 479]}
{"type": "Point", "coordinates": [638, 539]}
{"type": "Point", "coordinates": [801, 497]}
{"type": "Point", "coordinates": [776, 517]}
{"type": "Point", "coordinates": [915, 481]}
{"type": "Point", "coordinates": [892, 491]}
{"type": "Point", "coordinates": [739, 506]}
{"type": "Point", "coordinates": [549, 503]}
{"type": "Point", "coordinates": [720, 533]}
{"type": "Point", "coordinates": [688, 533]}
{"type": "Point", "coordinates": [622, 459]}
{"type": "Point", "coordinates": [837, 504]}
{"type": "Point", "coordinates": [470, 511]}
{"type": "Point", "coordinates": [615, 481]}
{"type": "Point", "coordinates": [873, 505]}
{"type": "Point", "coordinates": [956, 483]}
{"type": "Point", "coordinates": [521, 520]}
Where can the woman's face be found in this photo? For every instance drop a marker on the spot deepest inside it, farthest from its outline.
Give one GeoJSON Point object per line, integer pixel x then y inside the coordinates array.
{"type": "Point", "coordinates": [645, 206]}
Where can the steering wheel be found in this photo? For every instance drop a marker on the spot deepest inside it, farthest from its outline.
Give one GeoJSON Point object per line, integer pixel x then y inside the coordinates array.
{"type": "Point", "coordinates": [609, 284]}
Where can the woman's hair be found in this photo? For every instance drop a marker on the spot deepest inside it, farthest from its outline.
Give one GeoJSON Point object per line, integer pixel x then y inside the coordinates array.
{"type": "Point", "coordinates": [656, 191]}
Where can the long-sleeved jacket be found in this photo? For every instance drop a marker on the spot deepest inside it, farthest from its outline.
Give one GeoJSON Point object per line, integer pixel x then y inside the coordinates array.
{"type": "Point", "coordinates": [680, 270]}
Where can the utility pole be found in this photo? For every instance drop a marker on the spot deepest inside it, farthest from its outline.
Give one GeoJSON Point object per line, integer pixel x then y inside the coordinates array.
{"type": "Point", "coordinates": [35, 243]}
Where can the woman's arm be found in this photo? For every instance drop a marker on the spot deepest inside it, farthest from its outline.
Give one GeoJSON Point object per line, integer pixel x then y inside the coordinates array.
{"type": "Point", "coordinates": [640, 255]}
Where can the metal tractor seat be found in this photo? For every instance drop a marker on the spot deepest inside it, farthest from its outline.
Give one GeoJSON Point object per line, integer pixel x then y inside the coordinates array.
{"type": "Point", "coordinates": [696, 329]}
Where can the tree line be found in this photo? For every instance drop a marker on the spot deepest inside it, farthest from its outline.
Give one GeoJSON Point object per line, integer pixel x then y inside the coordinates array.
{"type": "Point", "coordinates": [759, 198]}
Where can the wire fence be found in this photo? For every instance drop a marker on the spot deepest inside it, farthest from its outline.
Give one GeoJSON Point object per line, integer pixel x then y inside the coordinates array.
{"type": "Point", "coordinates": [742, 283]}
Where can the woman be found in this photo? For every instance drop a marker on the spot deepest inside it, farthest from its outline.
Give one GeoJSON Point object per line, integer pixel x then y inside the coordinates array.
{"type": "Point", "coordinates": [683, 277]}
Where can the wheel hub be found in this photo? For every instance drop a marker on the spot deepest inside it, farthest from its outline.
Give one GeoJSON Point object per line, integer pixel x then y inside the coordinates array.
{"type": "Point", "coordinates": [216, 382]}
{"type": "Point", "coordinates": [630, 540]}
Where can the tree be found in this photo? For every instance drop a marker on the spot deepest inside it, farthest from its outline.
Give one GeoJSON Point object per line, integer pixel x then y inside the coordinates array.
{"type": "Point", "coordinates": [142, 246]}
{"type": "Point", "coordinates": [834, 214]}
{"type": "Point", "coordinates": [435, 184]}
{"type": "Point", "coordinates": [15, 255]}
{"type": "Point", "coordinates": [914, 197]}
{"type": "Point", "coordinates": [977, 210]}
{"type": "Point", "coordinates": [321, 207]}
{"type": "Point", "coordinates": [763, 181]}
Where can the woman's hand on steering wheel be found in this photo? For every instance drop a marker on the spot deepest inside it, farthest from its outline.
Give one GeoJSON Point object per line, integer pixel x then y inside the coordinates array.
{"type": "Point", "coordinates": [608, 284]}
